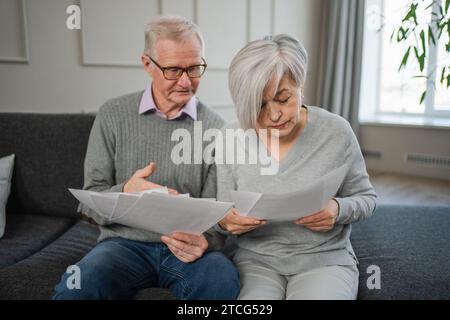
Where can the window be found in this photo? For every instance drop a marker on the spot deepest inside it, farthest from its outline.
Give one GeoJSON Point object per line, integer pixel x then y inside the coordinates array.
{"type": "Point", "coordinates": [389, 95]}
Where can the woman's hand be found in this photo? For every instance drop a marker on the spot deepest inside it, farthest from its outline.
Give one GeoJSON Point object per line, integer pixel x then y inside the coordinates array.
{"type": "Point", "coordinates": [237, 224]}
{"type": "Point", "coordinates": [323, 220]}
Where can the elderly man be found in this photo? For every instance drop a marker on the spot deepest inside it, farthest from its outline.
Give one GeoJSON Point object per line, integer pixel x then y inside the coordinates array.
{"type": "Point", "coordinates": [129, 150]}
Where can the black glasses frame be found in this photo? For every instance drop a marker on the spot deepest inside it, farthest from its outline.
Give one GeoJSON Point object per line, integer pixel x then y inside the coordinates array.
{"type": "Point", "coordinates": [183, 70]}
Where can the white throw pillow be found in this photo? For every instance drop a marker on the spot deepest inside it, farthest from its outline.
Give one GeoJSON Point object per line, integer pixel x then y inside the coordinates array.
{"type": "Point", "coordinates": [6, 170]}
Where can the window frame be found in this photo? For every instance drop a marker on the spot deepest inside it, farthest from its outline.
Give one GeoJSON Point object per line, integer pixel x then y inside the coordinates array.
{"type": "Point", "coordinates": [370, 106]}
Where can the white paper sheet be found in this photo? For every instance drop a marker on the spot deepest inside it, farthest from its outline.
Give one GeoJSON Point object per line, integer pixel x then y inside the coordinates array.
{"type": "Point", "coordinates": [126, 200]}
{"type": "Point", "coordinates": [292, 205]}
{"type": "Point", "coordinates": [156, 211]}
{"type": "Point", "coordinates": [105, 203]}
{"type": "Point", "coordinates": [85, 198]}
{"type": "Point", "coordinates": [165, 214]}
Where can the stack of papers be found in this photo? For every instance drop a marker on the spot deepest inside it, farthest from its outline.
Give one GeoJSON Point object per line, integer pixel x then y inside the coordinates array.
{"type": "Point", "coordinates": [293, 205]}
{"type": "Point", "coordinates": [155, 210]}
{"type": "Point", "coordinates": [158, 211]}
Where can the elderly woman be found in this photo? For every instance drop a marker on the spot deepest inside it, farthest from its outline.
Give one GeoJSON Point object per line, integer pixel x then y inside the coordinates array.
{"type": "Point", "coordinates": [310, 258]}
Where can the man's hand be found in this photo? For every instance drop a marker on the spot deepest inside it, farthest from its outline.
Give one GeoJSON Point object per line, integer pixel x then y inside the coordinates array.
{"type": "Point", "coordinates": [323, 220]}
{"type": "Point", "coordinates": [186, 247]}
{"type": "Point", "coordinates": [238, 224]}
{"type": "Point", "coordinates": [138, 182]}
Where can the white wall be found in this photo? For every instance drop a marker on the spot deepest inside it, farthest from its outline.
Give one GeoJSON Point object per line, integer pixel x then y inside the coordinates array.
{"type": "Point", "coordinates": [77, 70]}
{"type": "Point", "coordinates": [393, 142]}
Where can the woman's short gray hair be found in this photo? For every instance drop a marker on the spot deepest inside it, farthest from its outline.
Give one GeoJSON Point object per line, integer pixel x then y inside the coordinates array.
{"type": "Point", "coordinates": [256, 64]}
{"type": "Point", "coordinates": [170, 27]}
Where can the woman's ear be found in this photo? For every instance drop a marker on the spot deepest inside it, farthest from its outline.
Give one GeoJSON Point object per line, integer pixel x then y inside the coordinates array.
{"type": "Point", "coordinates": [301, 92]}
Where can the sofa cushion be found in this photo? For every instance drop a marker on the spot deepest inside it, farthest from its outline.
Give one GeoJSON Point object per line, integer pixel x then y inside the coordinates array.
{"type": "Point", "coordinates": [36, 276]}
{"type": "Point", "coordinates": [6, 170]}
{"type": "Point", "coordinates": [411, 246]}
{"type": "Point", "coordinates": [50, 150]}
{"type": "Point", "coordinates": [27, 234]}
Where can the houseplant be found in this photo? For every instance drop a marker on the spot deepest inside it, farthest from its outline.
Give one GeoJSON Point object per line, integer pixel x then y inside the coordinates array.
{"type": "Point", "coordinates": [420, 35]}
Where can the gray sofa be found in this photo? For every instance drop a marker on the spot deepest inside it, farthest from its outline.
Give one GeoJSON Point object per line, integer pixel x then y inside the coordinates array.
{"type": "Point", "coordinates": [44, 233]}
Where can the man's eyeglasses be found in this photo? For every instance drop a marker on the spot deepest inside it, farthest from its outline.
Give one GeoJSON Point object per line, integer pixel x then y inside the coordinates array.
{"type": "Point", "coordinates": [175, 73]}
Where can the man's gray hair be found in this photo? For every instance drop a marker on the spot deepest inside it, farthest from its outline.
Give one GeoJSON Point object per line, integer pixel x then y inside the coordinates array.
{"type": "Point", "coordinates": [256, 65]}
{"type": "Point", "coordinates": [170, 27]}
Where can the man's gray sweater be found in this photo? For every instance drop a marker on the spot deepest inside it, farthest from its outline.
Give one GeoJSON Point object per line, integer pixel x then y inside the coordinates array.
{"type": "Point", "coordinates": [123, 141]}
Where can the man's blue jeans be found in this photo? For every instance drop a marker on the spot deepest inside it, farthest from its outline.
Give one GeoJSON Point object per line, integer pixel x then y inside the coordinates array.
{"type": "Point", "coordinates": [118, 268]}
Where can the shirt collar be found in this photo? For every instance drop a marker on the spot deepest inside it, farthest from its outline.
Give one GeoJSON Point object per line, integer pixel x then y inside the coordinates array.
{"type": "Point", "coordinates": [148, 104]}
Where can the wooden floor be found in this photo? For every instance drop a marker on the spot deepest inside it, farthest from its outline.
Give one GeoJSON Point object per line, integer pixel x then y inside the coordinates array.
{"type": "Point", "coordinates": [408, 190]}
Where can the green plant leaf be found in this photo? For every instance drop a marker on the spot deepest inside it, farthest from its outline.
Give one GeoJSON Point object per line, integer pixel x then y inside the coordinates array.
{"type": "Point", "coordinates": [431, 36]}
{"type": "Point", "coordinates": [416, 52]}
{"type": "Point", "coordinates": [422, 98]}
{"type": "Point", "coordinates": [420, 59]}
{"type": "Point", "coordinates": [402, 34]}
{"type": "Point", "coordinates": [424, 47]}
{"type": "Point", "coordinates": [448, 28]}
{"type": "Point", "coordinates": [422, 62]}
{"type": "Point", "coordinates": [441, 27]}
{"type": "Point", "coordinates": [411, 14]}
{"type": "Point", "coordinates": [392, 35]}
{"type": "Point", "coordinates": [441, 11]}
{"type": "Point", "coordinates": [405, 59]}
{"type": "Point", "coordinates": [436, 31]}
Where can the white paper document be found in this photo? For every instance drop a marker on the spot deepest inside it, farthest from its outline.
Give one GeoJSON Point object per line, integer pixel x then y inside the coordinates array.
{"type": "Point", "coordinates": [155, 210]}
{"type": "Point", "coordinates": [293, 205]}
